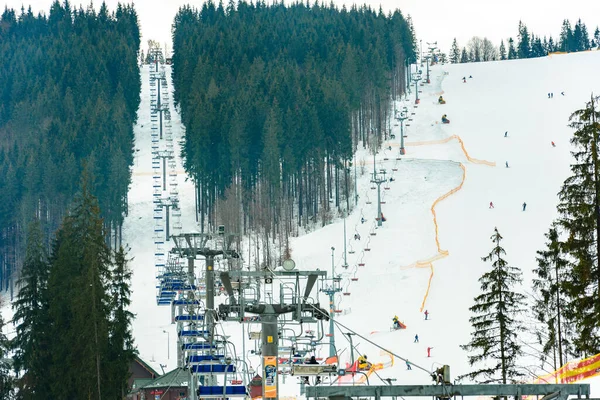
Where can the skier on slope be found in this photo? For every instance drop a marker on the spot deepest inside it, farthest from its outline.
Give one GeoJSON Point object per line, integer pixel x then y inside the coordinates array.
{"type": "Point", "coordinates": [445, 119]}
{"type": "Point", "coordinates": [507, 164]}
{"type": "Point", "coordinates": [553, 145]}
{"type": "Point", "coordinates": [441, 100]}
{"type": "Point", "coordinates": [426, 314]}
{"type": "Point", "coordinates": [491, 204]}
{"type": "Point", "coordinates": [524, 206]}
{"type": "Point", "coordinates": [429, 351]}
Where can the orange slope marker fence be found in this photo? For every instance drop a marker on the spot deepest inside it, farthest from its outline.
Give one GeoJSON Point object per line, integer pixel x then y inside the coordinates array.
{"type": "Point", "coordinates": [428, 263]}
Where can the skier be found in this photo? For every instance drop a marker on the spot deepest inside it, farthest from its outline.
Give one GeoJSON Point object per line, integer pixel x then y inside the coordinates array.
{"type": "Point", "coordinates": [507, 164]}
{"type": "Point", "coordinates": [445, 119]}
{"type": "Point", "coordinates": [408, 368]}
{"type": "Point", "coordinates": [416, 339]}
{"type": "Point", "coordinates": [429, 351]}
{"type": "Point", "coordinates": [383, 218]}
{"type": "Point", "coordinates": [491, 204]}
{"type": "Point", "coordinates": [506, 134]}
{"type": "Point", "coordinates": [464, 80]}
{"type": "Point", "coordinates": [312, 361]}
{"type": "Point", "coordinates": [396, 322]}
{"type": "Point", "coordinates": [524, 206]}
{"type": "Point", "coordinates": [548, 95]}
{"type": "Point", "coordinates": [389, 147]}
{"type": "Point", "coordinates": [426, 314]}
{"type": "Point", "coordinates": [553, 145]}
{"type": "Point", "coordinates": [470, 76]}
{"type": "Point", "coordinates": [562, 93]}
{"type": "Point", "coordinates": [552, 95]}
{"type": "Point", "coordinates": [362, 220]}
{"type": "Point", "coordinates": [363, 364]}
{"type": "Point", "coordinates": [441, 100]}
{"type": "Point", "coordinates": [297, 359]}
{"type": "Point", "coordinates": [391, 179]}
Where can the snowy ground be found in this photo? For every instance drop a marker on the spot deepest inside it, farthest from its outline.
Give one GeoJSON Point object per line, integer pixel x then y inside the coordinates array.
{"type": "Point", "coordinates": [397, 276]}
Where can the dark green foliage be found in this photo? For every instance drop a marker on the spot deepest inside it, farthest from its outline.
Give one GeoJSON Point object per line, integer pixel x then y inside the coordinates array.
{"type": "Point", "coordinates": [31, 344]}
{"type": "Point", "coordinates": [550, 303]}
{"type": "Point", "coordinates": [268, 95]}
{"type": "Point", "coordinates": [579, 210]}
{"type": "Point", "coordinates": [6, 380]}
{"type": "Point", "coordinates": [495, 327]}
{"type": "Point", "coordinates": [69, 91]}
{"type": "Point", "coordinates": [464, 57]}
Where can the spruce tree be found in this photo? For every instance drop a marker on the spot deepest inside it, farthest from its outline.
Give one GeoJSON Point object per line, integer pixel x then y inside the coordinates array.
{"type": "Point", "coordinates": [464, 57]}
{"type": "Point", "coordinates": [502, 50]}
{"type": "Point", "coordinates": [524, 44]}
{"type": "Point", "coordinates": [495, 324]}
{"type": "Point", "coordinates": [551, 301]}
{"type": "Point", "coordinates": [512, 53]}
{"type": "Point", "coordinates": [579, 210]}
{"type": "Point", "coordinates": [122, 349]}
{"type": "Point", "coordinates": [79, 302]}
{"type": "Point", "coordinates": [31, 317]}
{"type": "Point", "coordinates": [6, 380]}
{"type": "Point", "coordinates": [454, 52]}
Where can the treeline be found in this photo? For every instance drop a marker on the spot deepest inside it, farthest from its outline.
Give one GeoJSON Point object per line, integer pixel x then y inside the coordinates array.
{"type": "Point", "coordinates": [73, 327]}
{"type": "Point", "coordinates": [69, 91]}
{"type": "Point", "coordinates": [565, 317]}
{"type": "Point", "coordinates": [275, 100]}
{"type": "Point", "coordinates": [527, 45]}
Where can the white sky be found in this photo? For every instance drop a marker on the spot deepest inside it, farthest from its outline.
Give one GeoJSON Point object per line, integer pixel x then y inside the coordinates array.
{"type": "Point", "coordinates": [434, 20]}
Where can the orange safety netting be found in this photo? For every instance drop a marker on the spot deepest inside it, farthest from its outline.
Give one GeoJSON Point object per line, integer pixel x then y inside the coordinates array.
{"type": "Point", "coordinates": [573, 371]}
{"type": "Point", "coordinates": [428, 263]}
{"type": "Point", "coordinates": [354, 377]}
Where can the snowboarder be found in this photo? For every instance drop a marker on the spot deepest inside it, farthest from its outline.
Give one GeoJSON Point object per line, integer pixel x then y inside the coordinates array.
{"type": "Point", "coordinates": [491, 204]}
{"type": "Point", "coordinates": [506, 134]}
{"type": "Point", "coordinates": [383, 218]}
{"type": "Point", "coordinates": [562, 93]}
{"type": "Point", "coordinates": [445, 119]}
{"type": "Point", "coordinates": [391, 179]}
{"type": "Point", "coordinates": [362, 220]}
{"type": "Point", "coordinates": [356, 236]}
{"type": "Point", "coordinates": [553, 145]}
{"type": "Point", "coordinates": [408, 368]}
{"type": "Point", "coordinates": [507, 164]}
{"type": "Point", "coordinates": [441, 100]}
{"type": "Point", "coordinates": [426, 314]}
{"type": "Point", "coordinates": [470, 76]}
{"type": "Point", "coordinates": [396, 322]}
{"type": "Point", "coordinates": [464, 80]}
{"type": "Point", "coordinates": [429, 351]}
{"type": "Point", "coordinates": [524, 206]}
{"type": "Point", "coordinates": [416, 339]}
{"type": "Point", "coordinates": [389, 147]}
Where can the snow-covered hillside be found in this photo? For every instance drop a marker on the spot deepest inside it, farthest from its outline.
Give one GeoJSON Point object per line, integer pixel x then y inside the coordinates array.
{"type": "Point", "coordinates": [405, 271]}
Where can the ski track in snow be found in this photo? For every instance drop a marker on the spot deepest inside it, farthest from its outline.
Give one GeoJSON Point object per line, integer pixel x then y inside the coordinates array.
{"type": "Point", "coordinates": [502, 96]}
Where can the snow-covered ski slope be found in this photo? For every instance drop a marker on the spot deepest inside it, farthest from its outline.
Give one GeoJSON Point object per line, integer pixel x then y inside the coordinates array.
{"type": "Point", "coordinates": [397, 276]}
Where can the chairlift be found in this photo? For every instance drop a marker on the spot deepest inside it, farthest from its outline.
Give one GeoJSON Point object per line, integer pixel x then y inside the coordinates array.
{"type": "Point", "coordinates": [337, 311]}
{"type": "Point", "coordinates": [361, 264]}
{"type": "Point", "coordinates": [382, 202]}
{"type": "Point", "coordinates": [373, 233]}
{"type": "Point", "coordinates": [346, 293]}
{"type": "Point", "coordinates": [368, 202]}
{"type": "Point", "coordinates": [394, 169]}
{"type": "Point", "coordinates": [385, 158]}
{"type": "Point", "coordinates": [354, 279]}
{"type": "Point", "coordinates": [351, 252]}
{"type": "Point", "coordinates": [367, 249]}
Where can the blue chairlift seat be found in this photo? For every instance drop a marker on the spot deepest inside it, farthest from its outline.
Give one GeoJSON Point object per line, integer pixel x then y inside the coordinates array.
{"type": "Point", "coordinates": [198, 346]}
{"type": "Point", "coordinates": [220, 391]}
{"type": "Point", "coordinates": [206, 369]}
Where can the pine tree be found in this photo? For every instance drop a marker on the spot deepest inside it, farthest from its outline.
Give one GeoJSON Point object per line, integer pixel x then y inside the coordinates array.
{"type": "Point", "coordinates": [502, 50]}
{"type": "Point", "coordinates": [31, 317]}
{"type": "Point", "coordinates": [551, 301]}
{"type": "Point", "coordinates": [512, 53]}
{"type": "Point", "coordinates": [495, 327]}
{"type": "Point", "coordinates": [454, 52]}
{"type": "Point", "coordinates": [6, 380]}
{"type": "Point", "coordinates": [566, 37]}
{"type": "Point", "coordinates": [122, 349]}
{"type": "Point", "coordinates": [579, 210]}
{"type": "Point", "coordinates": [597, 36]}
